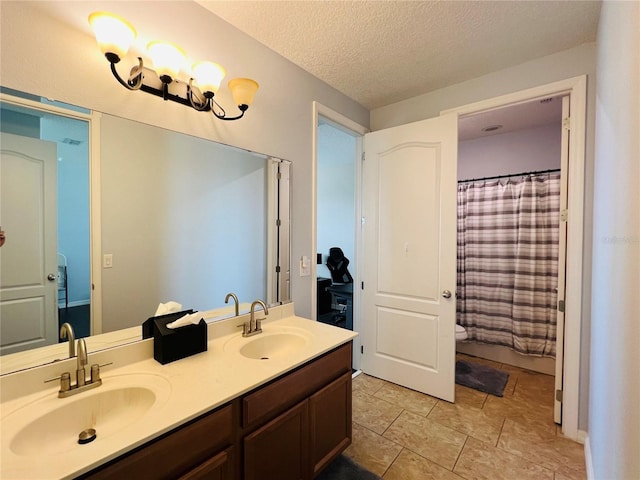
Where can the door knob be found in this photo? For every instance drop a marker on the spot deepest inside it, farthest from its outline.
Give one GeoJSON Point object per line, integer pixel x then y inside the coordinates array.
{"type": "Point", "coordinates": [446, 293]}
{"type": "Point", "coordinates": [51, 277]}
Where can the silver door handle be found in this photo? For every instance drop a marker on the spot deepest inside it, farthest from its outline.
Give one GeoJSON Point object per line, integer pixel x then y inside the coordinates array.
{"type": "Point", "coordinates": [51, 277]}
{"type": "Point", "coordinates": [446, 293]}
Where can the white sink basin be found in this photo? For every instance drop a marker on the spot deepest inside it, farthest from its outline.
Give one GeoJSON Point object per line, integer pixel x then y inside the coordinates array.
{"type": "Point", "coordinates": [52, 425]}
{"type": "Point", "coordinates": [269, 345]}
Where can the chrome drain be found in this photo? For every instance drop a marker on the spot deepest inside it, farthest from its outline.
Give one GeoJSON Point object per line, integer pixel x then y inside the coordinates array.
{"type": "Point", "coordinates": [87, 436]}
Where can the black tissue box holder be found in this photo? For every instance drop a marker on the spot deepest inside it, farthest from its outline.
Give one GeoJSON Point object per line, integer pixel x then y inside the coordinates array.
{"type": "Point", "coordinates": [170, 344]}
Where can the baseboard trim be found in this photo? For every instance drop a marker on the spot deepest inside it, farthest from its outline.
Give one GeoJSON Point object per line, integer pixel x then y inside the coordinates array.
{"type": "Point", "coordinates": [587, 457]}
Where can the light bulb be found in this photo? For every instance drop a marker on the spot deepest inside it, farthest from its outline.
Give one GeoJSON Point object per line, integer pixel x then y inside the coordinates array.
{"type": "Point", "coordinates": [167, 59]}
{"type": "Point", "coordinates": [113, 33]}
{"type": "Point", "coordinates": [243, 90]}
{"type": "Point", "coordinates": [208, 76]}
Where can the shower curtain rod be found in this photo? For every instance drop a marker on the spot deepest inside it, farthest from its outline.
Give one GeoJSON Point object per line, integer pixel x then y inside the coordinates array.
{"type": "Point", "coordinates": [496, 177]}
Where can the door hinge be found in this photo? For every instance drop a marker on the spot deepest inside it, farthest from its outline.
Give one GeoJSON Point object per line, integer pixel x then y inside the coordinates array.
{"type": "Point", "coordinates": [559, 396]}
{"type": "Point", "coordinates": [566, 123]}
{"type": "Point", "coordinates": [362, 349]}
{"type": "Point", "coordinates": [561, 306]}
{"type": "Point", "coordinates": [278, 223]}
{"type": "Point", "coordinates": [362, 157]}
{"type": "Point", "coordinates": [279, 176]}
{"type": "Point", "coordinates": [564, 215]}
{"type": "Point", "coordinates": [278, 269]}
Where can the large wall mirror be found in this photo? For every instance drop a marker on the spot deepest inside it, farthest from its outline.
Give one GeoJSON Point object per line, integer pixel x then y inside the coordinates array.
{"type": "Point", "coordinates": [179, 218]}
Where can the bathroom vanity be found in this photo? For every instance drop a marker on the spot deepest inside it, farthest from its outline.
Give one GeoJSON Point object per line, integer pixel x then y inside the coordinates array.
{"type": "Point", "coordinates": [276, 405]}
{"type": "Point", "coordinates": [290, 428]}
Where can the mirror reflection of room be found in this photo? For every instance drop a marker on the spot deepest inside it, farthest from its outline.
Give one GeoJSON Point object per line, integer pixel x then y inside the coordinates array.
{"type": "Point", "coordinates": [336, 220]}
{"type": "Point", "coordinates": [156, 246]}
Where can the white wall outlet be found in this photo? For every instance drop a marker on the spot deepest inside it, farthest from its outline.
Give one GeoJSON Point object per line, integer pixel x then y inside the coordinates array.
{"type": "Point", "coordinates": [305, 266]}
{"type": "Point", "coordinates": [107, 260]}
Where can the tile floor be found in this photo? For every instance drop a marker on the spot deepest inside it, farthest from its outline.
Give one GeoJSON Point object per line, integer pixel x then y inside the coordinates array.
{"type": "Point", "coordinates": [400, 434]}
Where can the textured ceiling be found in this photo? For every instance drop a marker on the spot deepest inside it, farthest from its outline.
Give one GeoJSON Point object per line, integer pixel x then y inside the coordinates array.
{"type": "Point", "coordinates": [381, 52]}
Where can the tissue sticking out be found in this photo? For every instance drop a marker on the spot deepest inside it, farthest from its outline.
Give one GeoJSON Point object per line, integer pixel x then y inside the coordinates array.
{"type": "Point", "coordinates": [189, 319]}
{"type": "Point", "coordinates": [166, 308]}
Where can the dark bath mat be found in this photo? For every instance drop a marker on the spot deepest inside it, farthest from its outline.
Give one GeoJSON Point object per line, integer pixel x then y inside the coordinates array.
{"type": "Point", "coordinates": [481, 377]}
{"type": "Point", "coordinates": [343, 468]}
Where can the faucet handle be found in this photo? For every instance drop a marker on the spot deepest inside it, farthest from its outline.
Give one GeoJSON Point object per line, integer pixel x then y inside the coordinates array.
{"type": "Point", "coordinates": [245, 328]}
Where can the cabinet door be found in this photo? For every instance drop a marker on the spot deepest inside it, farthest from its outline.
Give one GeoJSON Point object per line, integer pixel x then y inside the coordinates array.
{"type": "Point", "coordinates": [279, 449]}
{"type": "Point", "coordinates": [330, 422]}
{"type": "Point", "coordinates": [219, 467]}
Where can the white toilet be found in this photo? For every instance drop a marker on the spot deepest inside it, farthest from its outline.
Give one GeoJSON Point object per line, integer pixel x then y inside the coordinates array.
{"type": "Point", "coordinates": [461, 333]}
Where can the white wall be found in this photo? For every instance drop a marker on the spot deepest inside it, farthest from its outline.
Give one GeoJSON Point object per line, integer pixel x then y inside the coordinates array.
{"type": "Point", "coordinates": [62, 61]}
{"type": "Point", "coordinates": [566, 64]}
{"type": "Point", "coordinates": [336, 195]}
{"type": "Point", "coordinates": [614, 416]}
{"type": "Point", "coordinates": [184, 218]}
{"type": "Point", "coordinates": [527, 150]}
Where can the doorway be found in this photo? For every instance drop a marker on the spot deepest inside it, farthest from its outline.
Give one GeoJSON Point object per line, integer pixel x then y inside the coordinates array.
{"type": "Point", "coordinates": [512, 170]}
{"type": "Point", "coordinates": [335, 271]}
{"type": "Point", "coordinates": [68, 131]}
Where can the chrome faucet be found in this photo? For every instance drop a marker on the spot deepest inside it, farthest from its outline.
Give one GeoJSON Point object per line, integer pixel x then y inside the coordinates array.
{"type": "Point", "coordinates": [82, 362]}
{"type": "Point", "coordinates": [66, 331]}
{"type": "Point", "coordinates": [254, 325]}
{"type": "Point", "coordinates": [66, 388]}
{"type": "Point", "coordinates": [235, 299]}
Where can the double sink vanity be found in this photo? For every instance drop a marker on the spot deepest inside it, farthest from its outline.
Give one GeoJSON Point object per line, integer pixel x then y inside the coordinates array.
{"type": "Point", "coordinates": [276, 405]}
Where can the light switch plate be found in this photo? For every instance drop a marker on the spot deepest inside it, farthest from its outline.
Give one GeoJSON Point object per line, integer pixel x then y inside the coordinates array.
{"type": "Point", "coordinates": [305, 266]}
{"type": "Point", "coordinates": [107, 260]}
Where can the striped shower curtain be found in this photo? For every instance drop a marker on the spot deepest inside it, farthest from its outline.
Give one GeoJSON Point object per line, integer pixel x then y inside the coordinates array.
{"type": "Point", "coordinates": [508, 262]}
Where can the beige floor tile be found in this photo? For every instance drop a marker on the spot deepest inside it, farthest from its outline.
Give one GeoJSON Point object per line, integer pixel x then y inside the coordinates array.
{"type": "Point", "coordinates": [536, 387]}
{"type": "Point", "coordinates": [374, 413]}
{"type": "Point", "coordinates": [372, 451]}
{"type": "Point", "coordinates": [406, 398]}
{"type": "Point", "coordinates": [511, 383]}
{"type": "Point", "coordinates": [411, 466]}
{"type": "Point", "coordinates": [429, 439]}
{"type": "Point", "coordinates": [565, 473]}
{"type": "Point", "coordinates": [545, 449]}
{"type": "Point", "coordinates": [480, 461]}
{"type": "Point", "coordinates": [367, 383]}
{"type": "Point", "coordinates": [468, 420]}
{"type": "Point", "coordinates": [470, 397]}
{"type": "Point", "coordinates": [521, 409]}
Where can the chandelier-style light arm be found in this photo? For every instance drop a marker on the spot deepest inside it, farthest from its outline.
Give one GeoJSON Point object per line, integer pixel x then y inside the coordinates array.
{"type": "Point", "coordinates": [135, 82]}
{"type": "Point", "coordinates": [223, 115]}
{"type": "Point", "coordinates": [115, 35]}
{"type": "Point", "coordinates": [135, 79]}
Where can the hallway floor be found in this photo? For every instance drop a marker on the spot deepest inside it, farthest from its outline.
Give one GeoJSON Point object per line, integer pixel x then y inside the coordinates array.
{"type": "Point", "coordinates": [401, 434]}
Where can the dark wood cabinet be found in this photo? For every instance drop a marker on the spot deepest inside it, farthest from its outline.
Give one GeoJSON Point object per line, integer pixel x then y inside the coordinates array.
{"type": "Point", "coordinates": [279, 449]}
{"type": "Point", "coordinates": [289, 429]}
{"type": "Point", "coordinates": [202, 442]}
{"type": "Point", "coordinates": [330, 422]}
{"type": "Point", "coordinates": [299, 443]}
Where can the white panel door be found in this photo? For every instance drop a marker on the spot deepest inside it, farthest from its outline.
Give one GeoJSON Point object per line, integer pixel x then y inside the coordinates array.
{"type": "Point", "coordinates": [28, 297]}
{"type": "Point", "coordinates": [409, 235]}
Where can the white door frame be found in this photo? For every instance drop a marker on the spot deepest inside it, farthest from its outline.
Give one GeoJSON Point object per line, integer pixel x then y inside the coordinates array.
{"type": "Point", "coordinates": [576, 87]}
{"type": "Point", "coordinates": [358, 131]}
{"type": "Point", "coordinates": [95, 243]}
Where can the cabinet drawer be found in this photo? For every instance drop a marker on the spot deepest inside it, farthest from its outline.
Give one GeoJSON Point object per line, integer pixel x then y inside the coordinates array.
{"type": "Point", "coordinates": [219, 467]}
{"type": "Point", "coordinates": [294, 387]}
{"type": "Point", "coordinates": [177, 452]}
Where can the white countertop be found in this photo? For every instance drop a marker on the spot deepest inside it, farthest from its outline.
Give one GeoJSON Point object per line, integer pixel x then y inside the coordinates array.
{"type": "Point", "coordinates": [198, 384]}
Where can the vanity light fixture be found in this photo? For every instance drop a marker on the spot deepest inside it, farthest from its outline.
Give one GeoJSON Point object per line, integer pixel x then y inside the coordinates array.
{"type": "Point", "coordinates": [115, 35]}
